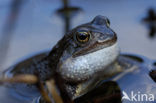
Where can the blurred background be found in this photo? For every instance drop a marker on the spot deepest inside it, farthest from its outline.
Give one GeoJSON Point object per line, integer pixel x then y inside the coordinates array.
{"type": "Point", "coordinates": [28, 27]}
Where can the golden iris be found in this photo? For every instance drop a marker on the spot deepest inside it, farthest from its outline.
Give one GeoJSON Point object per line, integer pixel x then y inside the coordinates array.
{"type": "Point", "coordinates": [83, 36]}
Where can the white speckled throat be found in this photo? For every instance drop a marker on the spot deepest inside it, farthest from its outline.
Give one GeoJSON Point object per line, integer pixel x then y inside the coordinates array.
{"type": "Point", "coordinates": [83, 67]}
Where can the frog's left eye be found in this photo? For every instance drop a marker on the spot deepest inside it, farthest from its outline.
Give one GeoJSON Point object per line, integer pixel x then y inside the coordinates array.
{"type": "Point", "coordinates": [82, 36]}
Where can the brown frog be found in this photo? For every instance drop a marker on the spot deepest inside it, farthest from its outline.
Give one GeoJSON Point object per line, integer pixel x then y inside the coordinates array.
{"type": "Point", "coordinates": [82, 58]}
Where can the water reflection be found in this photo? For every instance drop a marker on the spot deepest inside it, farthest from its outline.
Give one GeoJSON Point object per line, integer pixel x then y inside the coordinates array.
{"type": "Point", "coordinates": [150, 21]}
{"type": "Point", "coordinates": [67, 12]}
{"type": "Point", "coordinates": [8, 29]}
{"type": "Point", "coordinates": [107, 91]}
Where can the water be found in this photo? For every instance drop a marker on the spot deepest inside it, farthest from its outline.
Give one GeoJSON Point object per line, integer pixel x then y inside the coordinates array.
{"type": "Point", "coordinates": [39, 28]}
{"type": "Point", "coordinates": [137, 80]}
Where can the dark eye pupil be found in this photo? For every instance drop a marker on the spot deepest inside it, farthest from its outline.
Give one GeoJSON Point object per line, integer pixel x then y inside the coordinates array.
{"type": "Point", "coordinates": [82, 36]}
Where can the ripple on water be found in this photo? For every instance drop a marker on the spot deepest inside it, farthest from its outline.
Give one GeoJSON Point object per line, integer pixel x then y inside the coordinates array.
{"type": "Point", "coordinates": [18, 92]}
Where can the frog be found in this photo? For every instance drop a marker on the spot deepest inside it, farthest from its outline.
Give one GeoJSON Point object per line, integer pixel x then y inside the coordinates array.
{"type": "Point", "coordinates": [80, 57]}
{"type": "Point", "coordinates": [85, 56]}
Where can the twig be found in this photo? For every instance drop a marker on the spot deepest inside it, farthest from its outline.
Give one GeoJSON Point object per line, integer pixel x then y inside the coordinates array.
{"type": "Point", "coordinates": [53, 90]}
{"type": "Point", "coordinates": [43, 92]}
{"type": "Point", "coordinates": [21, 78]}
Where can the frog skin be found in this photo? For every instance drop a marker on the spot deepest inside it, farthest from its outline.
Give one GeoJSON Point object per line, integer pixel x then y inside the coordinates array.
{"type": "Point", "coordinates": [82, 57]}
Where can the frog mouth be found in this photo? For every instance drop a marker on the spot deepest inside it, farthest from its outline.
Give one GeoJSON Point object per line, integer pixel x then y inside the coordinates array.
{"type": "Point", "coordinates": [82, 68]}
{"type": "Point", "coordinates": [100, 44]}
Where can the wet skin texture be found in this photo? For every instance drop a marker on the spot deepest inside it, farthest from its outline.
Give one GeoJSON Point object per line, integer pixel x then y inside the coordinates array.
{"type": "Point", "coordinates": [73, 64]}
{"type": "Point", "coordinates": [80, 58]}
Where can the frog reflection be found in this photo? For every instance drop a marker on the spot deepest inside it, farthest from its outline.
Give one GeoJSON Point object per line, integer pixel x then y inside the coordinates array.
{"type": "Point", "coordinates": [151, 22]}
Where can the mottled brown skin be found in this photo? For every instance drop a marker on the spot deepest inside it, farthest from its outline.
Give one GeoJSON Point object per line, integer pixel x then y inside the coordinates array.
{"type": "Point", "coordinates": [46, 68]}
{"type": "Point", "coordinates": [68, 44]}
{"type": "Point", "coordinates": [102, 37]}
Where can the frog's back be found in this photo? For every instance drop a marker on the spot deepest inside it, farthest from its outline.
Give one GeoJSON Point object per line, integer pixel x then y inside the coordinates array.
{"type": "Point", "coordinates": [27, 66]}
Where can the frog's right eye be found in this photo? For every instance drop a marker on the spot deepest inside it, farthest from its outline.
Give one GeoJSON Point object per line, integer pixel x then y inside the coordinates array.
{"type": "Point", "coordinates": [82, 36]}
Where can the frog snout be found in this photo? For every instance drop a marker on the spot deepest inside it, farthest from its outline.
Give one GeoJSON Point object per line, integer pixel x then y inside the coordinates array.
{"type": "Point", "coordinates": [100, 20]}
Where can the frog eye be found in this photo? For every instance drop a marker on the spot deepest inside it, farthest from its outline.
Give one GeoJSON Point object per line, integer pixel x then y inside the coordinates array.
{"type": "Point", "coordinates": [83, 36]}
